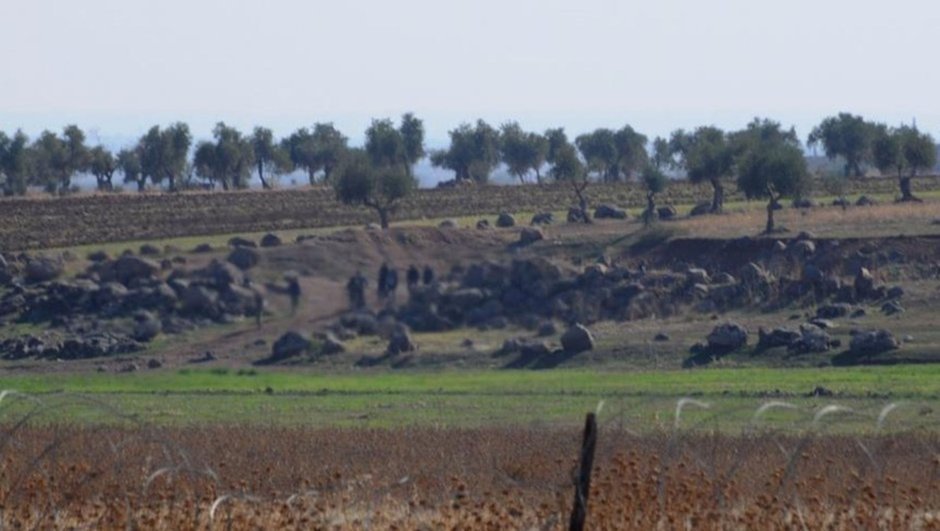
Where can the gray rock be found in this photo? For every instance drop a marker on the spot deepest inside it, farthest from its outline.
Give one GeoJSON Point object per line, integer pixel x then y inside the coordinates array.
{"type": "Point", "coordinates": [662, 336]}
{"type": "Point", "coordinates": [289, 345]}
{"type": "Point", "coordinates": [128, 269]}
{"type": "Point", "coordinates": [778, 337]}
{"type": "Point", "coordinates": [449, 224]}
{"type": "Point", "coordinates": [505, 220]}
{"type": "Point", "coordinates": [547, 329]}
{"type": "Point", "coordinates": [577, 339]}
{"type": "Point", "coordinates": [753, 275]}
{"type": "Point", "coordinates": [271, 240]}
{"type": "Point", "coordinates": [576, 215]}
{"type": "Point", "coordinates": [534, 349]}
{"type": "Point", "coordinates": [812, 340]}
{"type": "Point", "coordinates": [483, 224]}
{"type": "Point", "coordinates": [725, 278]}
{"type": "Point", "coordinates": [892, 308]}
{"type": "Point", "coordinates": [698, 276]}
{"type": "Point", "coordinates": [154, 363]}
{"type": "Point", "coordinates": [864, 283]}
{"type": "Point", "coordinates": [834, 311]}
{"type": "Point", "coordinates": [803, 202]}
{"type": "Point", "coordinates": [701, 209]}
{"type": "Point", "coordinates": [530, 235]}
{"type": "Point", "coordinates": [727, 337]}
{"type": "Point", "coordinates": [203, 248]}
{"type": "Point", "coordinates": [609, 212]}
{"type": "Point", "coordinates": [865, 201]}
{"type": "Point", "coordinates": [43, 269]}
{"type": "Point", "coordinates": [238, 241]}
{"type": "Point", "coordinates": [667, 212]}
{"type": "Point", "coordinates": [99, 256]}
{"type": "Point", "coordinates": [146, 326]}
{"type": "Point", "coordinates": [896, 292]}
{"type": "Point", "coordinates": [199, 300]}
{"type": "Point", "coordinates": [543, 218]}
{"type": "Point", "coordinates": [330, 345]}
{"type": "Point", "coordinates": [244, 258]}
{"type": "Point", "coordinates": [803, 248]}
{"type": "Point", "coordinates": [873, 342]}
{"type": "Point", "coordinates": [149, 249]}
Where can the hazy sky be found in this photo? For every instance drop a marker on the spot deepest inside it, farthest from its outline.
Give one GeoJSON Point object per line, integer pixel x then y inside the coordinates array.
{"type": "Point", "coordinates": [118, 66]}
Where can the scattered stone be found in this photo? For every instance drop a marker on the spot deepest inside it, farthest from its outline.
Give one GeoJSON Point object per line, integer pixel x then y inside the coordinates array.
{"type": "Point", "coordinates": [824, 324]}
{"type": "Point", "coordinates": [449, 224]}
{"type": "Point", "coordinates": [778, 337]}
{"type": "Point", "coordinates": [667, 212]}
{"type": "Point", "coordinates": [43, 269]}
{"type": "Point", "coordinates": [128, 269]}
{"type": "Point", "coordinates": [820, 391]}
{"type": "Point", "coordinates": [543, 218]}
{"type": "Point", "coordinates": [577, 339]}
{"type": "Point", "coordinates": [149, 249]}
{"type": "Point", "coordinates": [892, 308]}
{"type": "Point", "coordinates": [698, 276]}
{"type": "Point", "coordinates": [483, 224]}
{"type": "Point", "coordinates": [727, 337]}
{"type": "Point", "coordinates": [203, 248]}
{"type": "Point", "coordinates": [701, 209]}
{"type": "Point", "coordinates": [576, 215]}
{"type": "Point", "coordinates": [146, 326]}
{"type": "Point", "coordinates": [271, 240]}
{"type": "Point", "coordinates": [864, 283]}
{"type": "Point", "coordinates": [244, 258]}
{"type": "Point", "coordinates": [841, 202]}
{"type": "Point", "coordinates": [609, 212]}
{"type": "Point", "coordinates": [779, 246]}
{"type": "Point", "coordinates": [238, 241]}
{"type": "Point", "coordinates": [505, 220]}
{"type": "Point", "coordinates": [725, 278]}
{"type": "Point", "coordinates": [872, 342]}
{"type": "Point", "coordinates": [865, 201]}
{"type": "Point", "coordinates": [530, 235]}
{"type": "Point", "coordinates": [289, 345]}
{"type": "Point", "coordinates": [859, 312]}
{"type": "Point", "coordinates": [804, 248]}
{"type": "Point", "coordinates": [803, 202]}
{"type": "Point", "coordinates": [154, 363]}
{"type": "Point", "coordinates": [896, 292]}
{"type": "Point", "coordinates": [661, 337]}
{"type": "Point", "coordinates": [330, 345]}
{"type": "Point", "coordinates": [99, 256]}
{"type": "Point", "coordinates": [834, 311]}
{"type": "Point", "coordinates": [534, 349]}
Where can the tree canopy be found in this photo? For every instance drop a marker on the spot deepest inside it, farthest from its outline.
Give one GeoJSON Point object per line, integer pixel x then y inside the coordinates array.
{"type": "Point", "coordinates": [905, 151]}
{"type": "Point", "coordinates": [707, 156]}
{"type": "Point", "coordinates": [361, 182]}
{"type": "Point", "coordinates": [228, 161]}
{"type": "Point", "coordinates": [14, 163]}
{"type": "Point", "coordinates": [848, 136]}
{"type": "Point", "coordinates": [522, 151]}
{"type": "Point", "coordinates": [473, 153]}
{"type": "Point", "coordinates": [163, 154]}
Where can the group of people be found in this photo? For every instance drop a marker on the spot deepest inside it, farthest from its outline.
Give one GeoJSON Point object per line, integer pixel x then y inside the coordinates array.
{"type": "Point", "coordinates": [387, 284]}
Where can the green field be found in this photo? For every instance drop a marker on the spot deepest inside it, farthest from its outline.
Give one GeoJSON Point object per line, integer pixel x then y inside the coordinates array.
{"type": "Point", "coordinates": [640, 400]}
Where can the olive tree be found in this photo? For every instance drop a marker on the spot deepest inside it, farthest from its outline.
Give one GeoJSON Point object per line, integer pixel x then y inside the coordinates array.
{"type": "Point", "coordinates": [770, 165]}
{"type": "Point", "coordinates": [522, 152]}
{"type": "Point", "coordinates": [473, 153]}
{"type": "Point", "coordinates": [128, 162]}
{"type": "Point", "coordinates": [706, 155]}
{"type": "Point", "coordinates": [654, 182]}
{"type": "Point", "coordinates": [55, 160]}
{"type": "Point", "coordinates": [361, 182]}
{"type": "Point", "coordinates": [15, 162]}
{"type": "Point", "coordinates": [102, 164]}
{"type": "Point", "coordinates": [269, 156]}
{"type": "Point", "coordinates": [845, 135]}
{"type": "Point", "coordinates": [163, 154]}
{"type": "Point", "coordinates": [568, 168]}
{"type": "Point", "coordinates": [905, 151]}
{"type": "Point", "coordinates": [228, 161]}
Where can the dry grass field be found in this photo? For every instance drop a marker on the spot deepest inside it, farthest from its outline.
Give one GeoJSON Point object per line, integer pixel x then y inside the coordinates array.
{"type": "Point", "coordinates": [416, 478]}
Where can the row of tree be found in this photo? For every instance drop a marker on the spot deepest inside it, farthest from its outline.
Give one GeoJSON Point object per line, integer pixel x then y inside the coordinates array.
{"type": "Point", "coordinates": [767, 160]}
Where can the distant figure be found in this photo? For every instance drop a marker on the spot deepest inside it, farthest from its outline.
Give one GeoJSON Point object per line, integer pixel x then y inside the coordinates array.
{"type": "Point", "coordinates": [391, 284]}
{"type": "Point", "coordinates": [356, 290]}
{"type": "Point", "coordinates": [293, 290]}
{"type": "Point", "coordinates": [382, 286]}
{"type": "Point", "coordinates": [428, 275]}
{"type": "Point", "coordinates": [414, 276]}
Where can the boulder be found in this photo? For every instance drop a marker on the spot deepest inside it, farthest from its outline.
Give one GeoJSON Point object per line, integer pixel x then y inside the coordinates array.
{"type": "Point", "coordinates": [238, 300]}
{"type": "Point", "coordinates": [505, 220]}
{"type": "Point", "coordinates": [149, 249]}
{"type": "Point", "coordinates": [483, 224]}
{"type": "Point", "coordinates": [99, 256]}
{"type": "Point", "coordinates": [834, 311]}
{"type": "Point", "coordinates": [873, 342]}
{"type": "Point", "coordinates": [727, 337]}
{"type": "Point", "coordinates": [400, 341]}
{"type": "Point", "coordinates": [199, 300]}
{"type": "Point", "coordinates": [803, 202]}
{"type": "Point", "coordinates": [667, 212]}
{"type": "Point", "coordinates": [778, 337]}
{"type": "Point", "coordinates": [244, 258]}
{"type": "Point", "coordinates": [289, 345]}
{"type": "Point", "coordinates": [576, 215]}
{"type": "Point", "coordinates": [543, 218]}
{"type": "Point", "coordinates": [803, 248]}
{"type": "Point", "coordinates": [43, 269]}
{"type": "Point", "coordinates": [219, 274]}
{"type": "Point", "coordinates": [577, 339]}
{"type": "Point", "coordinates": [841, 202]}
{"type": "Point", "coordinates": [609, 212]}
{"type": "Point", "coordinates": [865, 201]}
{"type": "Point", "coordinates": [698, 276]}
{"type": "Point", "coordinates": [330, 344]}
{"type": "Point", "coordinates": [449, 224]}
{"type": "Point", "coordinates": [701, 209]}
{"type": "Point", "coordinates": [530, 235]}
{"type": "Point", "coordinates": [896, 292]}
{"type": "Point", "coordinates": [547, 329]}
{"type": "Point", "coordinates": [271, 240]}
{"type": "Point", "coordinates": [534, 349]}
{"type": "Point", "coordinates": [892, 308]}
{"type": "Point", "coordinates": [128, 269]}
{"type": "Point", "coordinates": [238, 241]}
{"type": "Point", "coordinates": [203, 248]}
{"type": "Point", "coordinates": [753, 275]}
{"type": "Point", "coordinates": [146, 326]}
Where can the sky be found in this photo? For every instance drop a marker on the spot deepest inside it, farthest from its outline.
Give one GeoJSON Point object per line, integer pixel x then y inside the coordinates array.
{"type": "Point", "coordinates": [116, 67]}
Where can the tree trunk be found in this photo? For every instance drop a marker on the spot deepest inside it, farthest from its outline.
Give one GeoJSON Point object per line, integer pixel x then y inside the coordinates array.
{"type": "Point", "coordinates": [141, 184]}
{"type": "Point", "coordinates": [311, 176]}
{"type": "Point", "coordinates": [383, 217]}
{"type": "Point", "coordinates": [538, 176]}
{"type": "Point", "coordinates": [718, 196]}
{"type": "Point", "coordinates": [906, 194]}
{"type": "Point", "coordinates": [264, 183]}
{"type": "Point", "coordinates": [770, 215]}
{"type": "Point", "coordinates": [650, 209]}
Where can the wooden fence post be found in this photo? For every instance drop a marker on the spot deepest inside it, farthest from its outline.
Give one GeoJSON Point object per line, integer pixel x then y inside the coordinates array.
{"type": "Point", "coordinates": [583, 483]}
